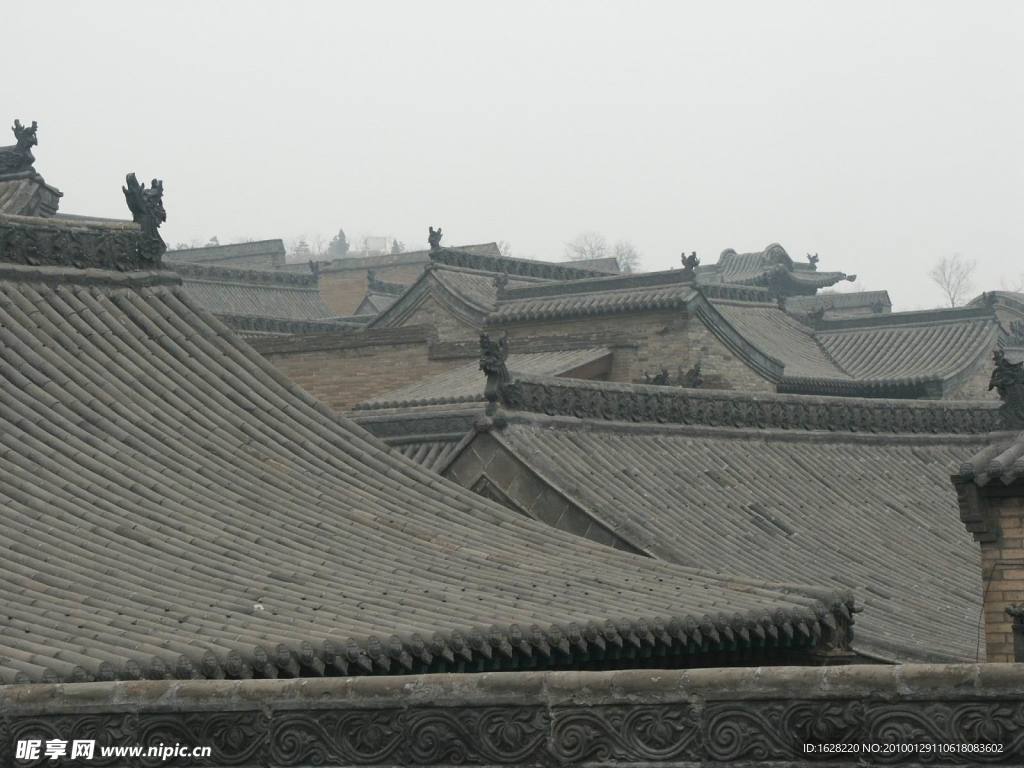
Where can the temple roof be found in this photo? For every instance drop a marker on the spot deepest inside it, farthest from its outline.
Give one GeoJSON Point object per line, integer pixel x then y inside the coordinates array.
{"type": "Point", "coordinates": [903, 354]}
{"type": "Point", "coordinates": [771, 268]}
{"type": "Point", "coordinates": [844, 491]}
{"type": "Point", "coordinates": [173, 506]}
{"type": "Point", "coordinates": [258, 254]}
{"type": "Point", "coordinates": [469, 293]}
{"type": "Point", "coordinates": [593, 296]}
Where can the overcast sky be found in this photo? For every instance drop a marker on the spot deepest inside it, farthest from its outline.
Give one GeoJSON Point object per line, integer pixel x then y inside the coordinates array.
{"type": "Point", "coordinates": [881, 135]}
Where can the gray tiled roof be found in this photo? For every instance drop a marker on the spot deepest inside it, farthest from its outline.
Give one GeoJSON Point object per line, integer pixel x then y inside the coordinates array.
{"type": "Point", "coordinates": [258, 254]}
{"type": "Point", "coordinates": [595, 295]}
{"type": "Point", "coordinates": [895, 353]}
{"type": "Point", "coordinates": [26, 194]}
{"type": "Point", "coordinates": [470, 293]}
{"type": "Point", "coordinates": [772, 268]}
{"type": "Point", "coordinates": [871, 512]}
{"type": "Point", "coordinates": [252, 293]}
{"type": "Point", "coordinates": [171, 505]}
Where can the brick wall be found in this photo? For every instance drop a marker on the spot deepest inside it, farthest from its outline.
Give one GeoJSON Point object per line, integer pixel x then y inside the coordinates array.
{"type": "Point", "coordinates": [341, 371]}
{"type": "Point", "coordinates": [646, 342]}
{"type": "Point", "coordinates": [1002, 563]}
{"type": "Point", "coordinates": [342, 289]}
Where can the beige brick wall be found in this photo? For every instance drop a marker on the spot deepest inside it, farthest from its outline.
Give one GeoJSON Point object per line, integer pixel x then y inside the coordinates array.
{"type": "Point", "coordinates": [340, 378]}
{"type": "Point", "coordinates": [669, 339]}
{"type": "Point", "coordinates": [342, 290]}
{"type": "Point", "coordinates": [1002, 564]}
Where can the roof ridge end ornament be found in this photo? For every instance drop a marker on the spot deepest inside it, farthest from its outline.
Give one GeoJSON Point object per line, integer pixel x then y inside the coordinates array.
{"type": "Point", "coordinates": [1008, 380]}
{"type": "Point", "coordinates": [19, 158]}
{"type": "Point", "coordinates": [147, 207]}
{"type": "Point", "coordinates": [493, 356]}
{"type": "Point", "coordinates": [434, 238]}
{"type": "Point", "coordinates": [690, 263]}
{"type": "Point", "coordinates": [500, 283]}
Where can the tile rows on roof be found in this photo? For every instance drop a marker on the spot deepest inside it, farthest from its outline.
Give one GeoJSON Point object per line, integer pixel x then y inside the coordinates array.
{"type": "Point", "coordinates": [258, 254]}
{"type": "Point", "coordinates": [28, 195]}
{"type": "Point", "coordinates": [172, 506]}
{"type": "Point", "coordinates": [895, 353]}
{"type": "Point", "coordinates": [872, 516]}
{"type": "Point", "coordinates": [619, 294]}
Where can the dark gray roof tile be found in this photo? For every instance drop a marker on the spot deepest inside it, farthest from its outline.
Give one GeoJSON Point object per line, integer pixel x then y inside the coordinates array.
{"type": "Point", "coordinates": [171, 505]}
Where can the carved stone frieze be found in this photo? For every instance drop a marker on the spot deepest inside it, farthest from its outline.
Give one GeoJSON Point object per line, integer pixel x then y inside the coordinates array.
{"type": "Point", "coordinates": [743, 731]}
{"type": "Point", "coordinates": [46, 243]}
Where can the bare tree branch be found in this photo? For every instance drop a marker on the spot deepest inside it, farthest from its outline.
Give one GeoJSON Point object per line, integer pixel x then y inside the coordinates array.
{"type": "Point", "coordinates": [627, 255]}
{"type": "Point", "coordinates": [953, 276]}
{"type": "Point", "coordinates": [587, 245]}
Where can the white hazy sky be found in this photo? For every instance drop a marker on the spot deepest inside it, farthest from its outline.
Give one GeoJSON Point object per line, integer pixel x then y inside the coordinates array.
{"type": "Point", "coordinates": [882, 135]}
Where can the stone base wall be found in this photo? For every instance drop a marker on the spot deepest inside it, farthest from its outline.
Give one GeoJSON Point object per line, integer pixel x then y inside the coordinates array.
{"type": "Point", "coordinates": [769, 716]}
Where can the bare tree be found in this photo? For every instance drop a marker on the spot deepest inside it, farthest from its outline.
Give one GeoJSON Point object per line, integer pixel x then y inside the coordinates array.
{"type": "Point", "coordinates": [587, 245]}
{"type": "Point", "coordinates": [627, 255]}
{"type": "Point", "coordinates": [953, 276]}
{"type": "Point", "coordinates": [317, 244]}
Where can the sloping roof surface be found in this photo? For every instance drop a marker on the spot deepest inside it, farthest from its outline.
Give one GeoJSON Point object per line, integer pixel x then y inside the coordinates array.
{"type": "Point", "coordinates": [779, 335]}
{"type": "Point", "coordinates": [595, 295]}
{"type": "Point", "coordinates": [466, 382]}
{"type": "Point", "coordinates": [259, 254]}
{"type": "Point", "coordinates": [873, 352]}
{"type": "Point", "coordinates": [473, 291]}
{"type": "Point", "coordinates": [269, 294]}
{"type": "Point", "coordinates": [873, 513]}
{"type": "Point", "coordinates": [931, 349]}
{"type": "Point", "coordinates": [173, 506]}
{"type": "Point", "coordinates": [771, 267]}
{"type": "Point", "coordinates": [27, 194]}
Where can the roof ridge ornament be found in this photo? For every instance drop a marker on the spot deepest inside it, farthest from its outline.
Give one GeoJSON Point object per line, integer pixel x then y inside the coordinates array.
{"type": "Point", "coordinates": [18, 158]}
{"type": "Point", "coordinates": [434, 238]}
{"type": "Point", "coordinates": [493, 356]}
{"type": "Point", "coordinates": [147, 207]}
{"type": "Point", "coordinates": [1008, 380]}
{"type": "Point", "coordinates": [812, 259]}
{"type": "Point", "coordinates": [690, 263]}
